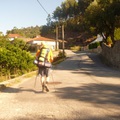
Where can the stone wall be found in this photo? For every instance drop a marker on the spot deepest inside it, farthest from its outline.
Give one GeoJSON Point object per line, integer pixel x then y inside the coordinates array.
{"type": "Point", "coordinates": [96, 50]}
{"type": "Point", "coordinates": [112, 55]}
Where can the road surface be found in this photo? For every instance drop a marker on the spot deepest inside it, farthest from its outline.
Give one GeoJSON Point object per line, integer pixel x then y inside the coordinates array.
{"type": "Point", "coordinates": [83, 89]}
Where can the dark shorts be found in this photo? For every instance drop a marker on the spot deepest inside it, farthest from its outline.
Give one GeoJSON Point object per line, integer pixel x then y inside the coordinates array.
{"type": "Point", "coordinates": [43, 71]}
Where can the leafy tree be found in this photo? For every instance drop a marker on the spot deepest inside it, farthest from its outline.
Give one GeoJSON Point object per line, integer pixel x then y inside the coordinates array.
{"type": "Point", "coordinates": [49, 20]}
{"type": "Point", "coordinates": [13, 59]}
{"type": "Point", "coordinates": [19, 43]}
{"type": "Point", "coordinates": [104, 13]}
{"type": "Point", "coordinates": [82, 5]}
{"type": "Point", "coordinates": [57, 14]}
{"type": "Point", "coordinates": [68, 9]}
{"type": "Point", "coordinates": [29, 32]}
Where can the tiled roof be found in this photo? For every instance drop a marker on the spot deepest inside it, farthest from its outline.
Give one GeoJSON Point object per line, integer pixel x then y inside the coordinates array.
{"type": "Point", "coordinates": [40, 38]}
{"type": "Point", "coordinates": [13, 35]}
{"type": "Point", "coordinates": [43, 38]}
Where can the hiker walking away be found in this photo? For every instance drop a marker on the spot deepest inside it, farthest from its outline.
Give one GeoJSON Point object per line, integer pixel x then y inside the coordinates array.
{"type": "Point", "coordinates": [44, 56]}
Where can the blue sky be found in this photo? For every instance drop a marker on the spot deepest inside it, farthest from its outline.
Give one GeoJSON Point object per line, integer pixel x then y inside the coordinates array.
{"type": "Point", "coordinates": [25, 13]}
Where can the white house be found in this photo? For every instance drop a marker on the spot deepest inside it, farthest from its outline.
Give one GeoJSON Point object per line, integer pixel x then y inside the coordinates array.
{"type": "Point", "coordinates": [50, 42]}
{"type": "Point", "coordinates": [13, 36]}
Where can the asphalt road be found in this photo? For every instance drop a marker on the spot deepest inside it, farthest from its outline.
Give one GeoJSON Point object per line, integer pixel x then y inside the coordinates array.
{"type": "Point", "coordinates": [81, 88]}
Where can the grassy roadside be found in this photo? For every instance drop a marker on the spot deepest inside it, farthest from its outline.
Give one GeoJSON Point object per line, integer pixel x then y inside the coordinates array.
{"type": "Point", "coordinates": [58, 58]}
{"type": "Point", "coordinates": [11, 82]}
{"type": "Point", "coordinates": [58, 61]}
{"type": "Point", "coordinates": [16, 80]}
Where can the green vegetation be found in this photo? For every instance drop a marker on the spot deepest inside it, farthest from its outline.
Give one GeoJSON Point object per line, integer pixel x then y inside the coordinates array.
{"type": "Point", "coordinates": [94, 45]}
{"type": "Point", "coordinates": [116, 37]}
{"type": "Point", "coordinates": [75, 48]}
{"type": "Point", "coordinates": [14, 59]}
{"type": "Point", "coordinates": [104, 17]}
{"type": "Point", "coordinates": [94, 16]}
{"type": "Point", "coordinates": [117, 34]}
{"type": "Point", "coordinates": [29, 32]}
{"type": "Point", "coordinates": [59, 58]}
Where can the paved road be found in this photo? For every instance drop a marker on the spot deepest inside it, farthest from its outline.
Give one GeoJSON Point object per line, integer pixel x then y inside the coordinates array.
{"type": "Point", "coordinates": [85, 89]}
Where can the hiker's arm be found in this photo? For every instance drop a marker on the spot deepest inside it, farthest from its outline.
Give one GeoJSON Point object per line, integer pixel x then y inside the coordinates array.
{"type": "Point", "coordinates": [37, 53]}
{"type": "Point", "coordinates": [51, 56]}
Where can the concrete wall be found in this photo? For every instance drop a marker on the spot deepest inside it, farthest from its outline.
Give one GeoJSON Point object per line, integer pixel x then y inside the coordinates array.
{"type": "Point", "coordinates": [112, 55]}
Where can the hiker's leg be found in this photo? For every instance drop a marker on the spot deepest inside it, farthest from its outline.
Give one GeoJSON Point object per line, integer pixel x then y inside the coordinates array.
{"type": "Point", "coordinates": [47, 75]}
{"type": "Point", "coordinates": [42, 73]}
{"type": "Point", "coordinates": [47, 79]}
{"type": "Point", "coordinates": [43, 83]}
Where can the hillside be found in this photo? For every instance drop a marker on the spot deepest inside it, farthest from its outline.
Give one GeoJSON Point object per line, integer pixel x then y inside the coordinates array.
{"type": "Point", "coordinates": [75, 38]}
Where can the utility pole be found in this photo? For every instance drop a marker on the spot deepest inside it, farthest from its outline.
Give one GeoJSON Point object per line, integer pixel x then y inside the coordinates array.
{"type": "Point", "coordinates": [56, 37]}
{"type": "Point", "coordinates": [57, 32]}
{"type": "Point", "coordinates": [63, 45]}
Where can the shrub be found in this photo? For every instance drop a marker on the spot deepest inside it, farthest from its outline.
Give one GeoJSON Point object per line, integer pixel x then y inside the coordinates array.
{"type": "Point", "coordinates": [14, 61]}
{"type": "Point", "coordinates": [117, 34]}
{"type": "Point", "coordinates": [94, 45]}
{"type": "Point", "coordinates": [59, 57]}
{"type": "Point", "coordinates": [61, 54]}
{"type": "Point", "coordinates": [75, 48]}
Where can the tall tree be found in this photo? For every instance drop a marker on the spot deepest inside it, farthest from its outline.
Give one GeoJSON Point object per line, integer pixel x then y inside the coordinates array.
{"type": "Point", "coordinates": [83, 4]}
{"type": "Point", "coordinates": [68, 9]}
{"type": "Point", "coordinates": [49, 20]}
{"type": "Point", "coordinates": [103, 16]}
{"type": "Point", "coordinates": [57, 14]}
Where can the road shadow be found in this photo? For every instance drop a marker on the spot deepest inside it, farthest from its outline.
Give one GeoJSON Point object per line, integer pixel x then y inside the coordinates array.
{"type": "Point", "coordinates": [94, 66]}
{"type": "Point", "coordinates": [19, 90]}
{"type": "Point", "coordinates": [92, 93]}
{"type": "Point", "coordinates": [88, 63]}
{"type": "Point", "coordinates": [52, 117]}
{"type": "Point", "coordinates": [69, 64]}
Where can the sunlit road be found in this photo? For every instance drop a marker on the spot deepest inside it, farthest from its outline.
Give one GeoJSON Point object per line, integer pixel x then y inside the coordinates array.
{"type": "Point", "coordinates": [84, 89]}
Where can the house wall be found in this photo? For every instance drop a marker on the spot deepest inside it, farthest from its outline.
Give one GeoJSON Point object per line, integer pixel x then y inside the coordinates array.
{"type": "Point", "coordinates": [112, 55]}
{"type": "Point", "coordinates": [51, 44]}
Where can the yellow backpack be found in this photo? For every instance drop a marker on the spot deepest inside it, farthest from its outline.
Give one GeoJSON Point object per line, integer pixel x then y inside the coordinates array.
{"type": "Point", "coordinates": [43, 54]}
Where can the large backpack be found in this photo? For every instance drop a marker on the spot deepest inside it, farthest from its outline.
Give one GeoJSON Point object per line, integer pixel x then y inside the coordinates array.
{"type": "Point", "coordinates": [42, 58]}
{"type": "Point", "coordinates": [43, 54]}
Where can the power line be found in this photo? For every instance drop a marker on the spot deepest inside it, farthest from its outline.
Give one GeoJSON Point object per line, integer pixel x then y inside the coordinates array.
{"type": "Point", "coordinates": [42, 7]}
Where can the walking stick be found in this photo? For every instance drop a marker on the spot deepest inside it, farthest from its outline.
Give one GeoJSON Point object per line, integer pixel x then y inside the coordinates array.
{"type": "Point", "coordinates": [53, 80]}
{"type": "Point", "coordinates": [36, 78]}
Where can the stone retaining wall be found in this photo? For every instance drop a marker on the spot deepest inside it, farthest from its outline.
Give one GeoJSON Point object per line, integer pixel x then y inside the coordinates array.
{"type": "Point", "coordinates": [112, 55]}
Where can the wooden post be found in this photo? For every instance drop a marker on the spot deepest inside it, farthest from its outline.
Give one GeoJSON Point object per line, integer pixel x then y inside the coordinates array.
{"type": "Point", "coordinates": [56, 37]}
{"type": "Point", "coordinates": [63, 46]}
